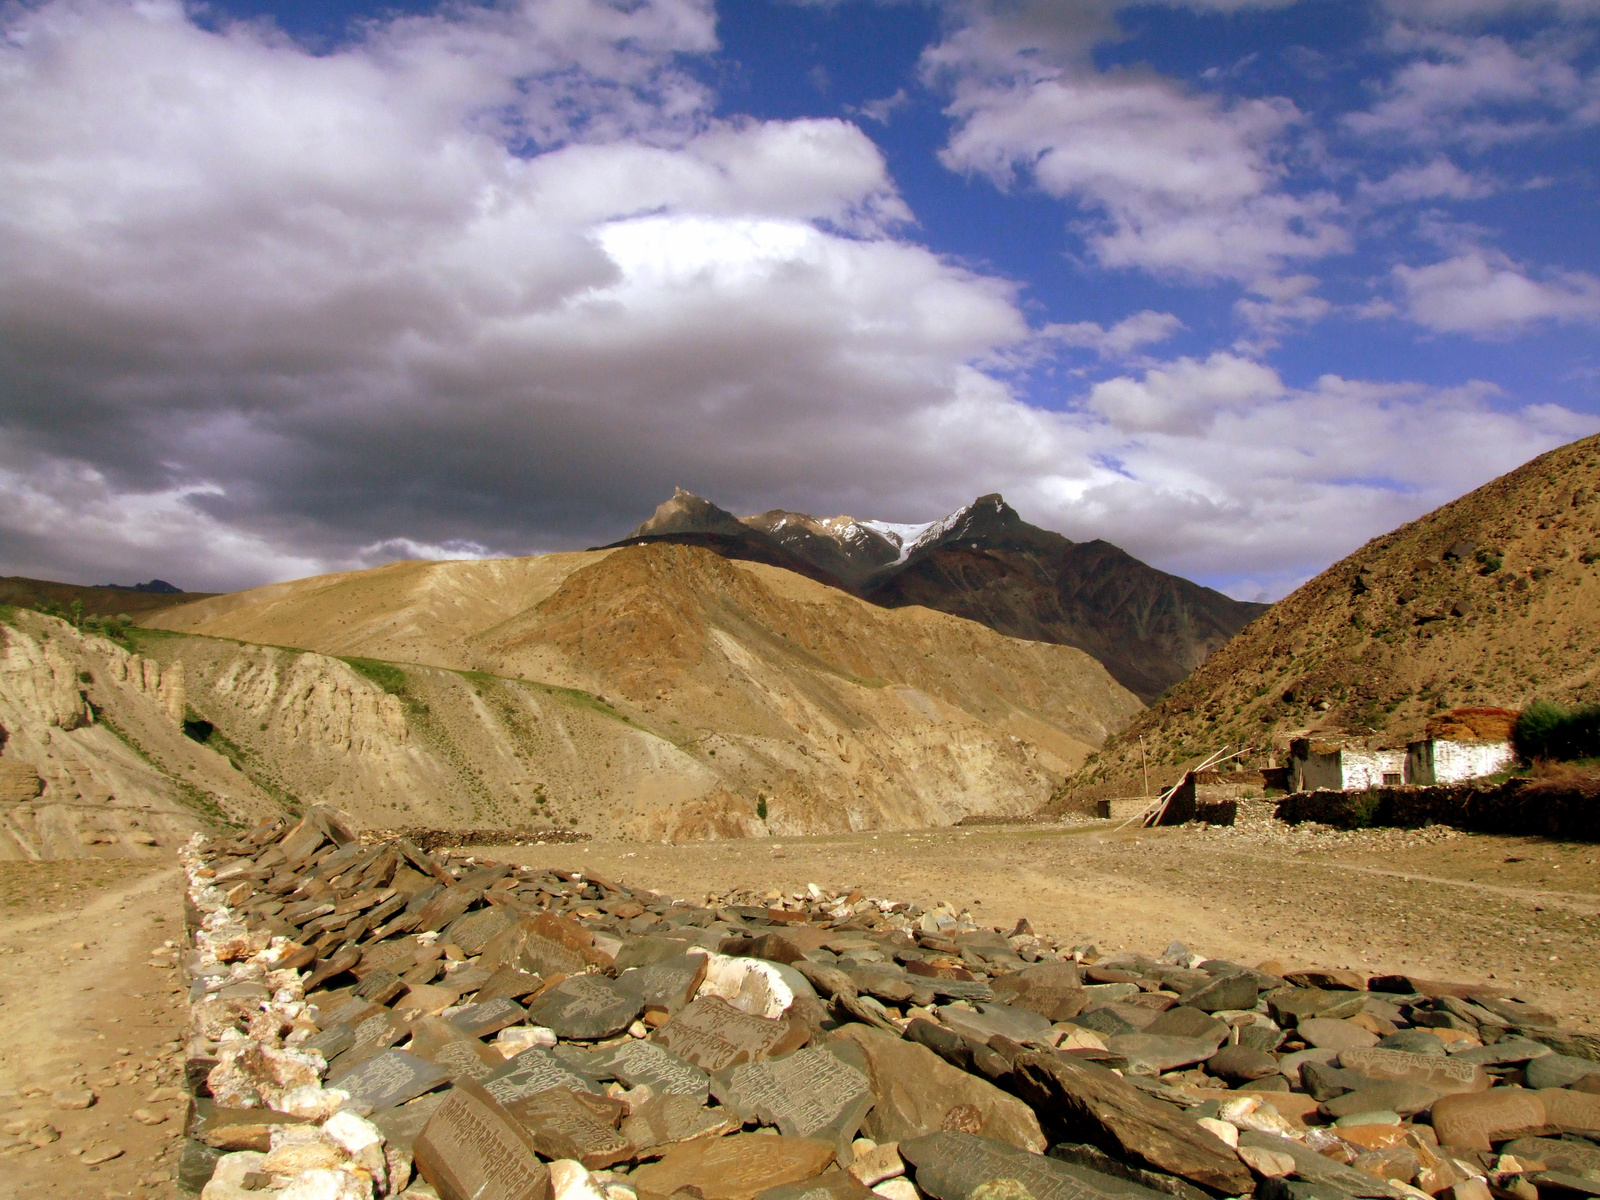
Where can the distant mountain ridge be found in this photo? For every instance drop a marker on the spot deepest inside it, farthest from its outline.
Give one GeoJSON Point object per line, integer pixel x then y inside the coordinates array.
{"type": "Point", "coordinates": [985, 563]}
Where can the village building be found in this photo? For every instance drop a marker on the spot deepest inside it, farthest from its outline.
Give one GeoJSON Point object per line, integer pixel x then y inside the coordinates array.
{"type": "Point", "coordinates": [1468, 743]}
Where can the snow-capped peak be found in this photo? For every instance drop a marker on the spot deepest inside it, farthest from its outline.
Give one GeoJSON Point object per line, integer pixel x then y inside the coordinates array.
{"type": "Point", "coordinates": [909, 537]}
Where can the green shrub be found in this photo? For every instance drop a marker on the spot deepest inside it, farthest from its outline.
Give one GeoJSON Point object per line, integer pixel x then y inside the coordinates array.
{"type": "Point", "coordinates": [1546, 730]}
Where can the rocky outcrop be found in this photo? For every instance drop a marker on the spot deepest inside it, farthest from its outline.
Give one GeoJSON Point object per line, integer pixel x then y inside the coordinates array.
{"type": "Point", "coordinates": [94, 760]}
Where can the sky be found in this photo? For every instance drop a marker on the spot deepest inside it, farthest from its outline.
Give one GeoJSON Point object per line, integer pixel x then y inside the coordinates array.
{"type": "Point", "coordinates": [288, 287]}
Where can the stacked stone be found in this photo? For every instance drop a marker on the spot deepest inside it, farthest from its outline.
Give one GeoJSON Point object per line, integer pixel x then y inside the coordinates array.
{"type": "Point", "coordinates": [374, 1021]}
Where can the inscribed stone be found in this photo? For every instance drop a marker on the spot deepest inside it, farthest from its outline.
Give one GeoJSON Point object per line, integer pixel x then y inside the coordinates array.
{"type": "Point", "coordinates": [713, 1035]}
{"type": "Point", "coordinates": [392, 1078]}
{"type": "Point", "coordinates": [471, 1149]}
{"type": "Point", "coordinates": [475, 930]}
{"type": "Point", "coordinates": [642, 1062]}
{"type": "Point", "coordinates": [732, 1168]}
{"type": "Point", "coordinates": [535, 1071]}
{"type": "Point", "coordinates": [820, 1092]}
{"type": "Point", "coordinates": [480, 1020]}
{"type": "Point", "coordinates": [1472, 1120]}
{"type": "Point", "coordinates": [668, 984]}
{"type": "Point", "coordinates": [563, 1127]}
{"type": "Point", "coordinates": [1441, 1074]}
{"type": "Point", "coordinates": [663, 1120]}
{"type": "Point", "coordinates": [952, 1166]}
{"type": "Point", "coordinates": [587, 1007]}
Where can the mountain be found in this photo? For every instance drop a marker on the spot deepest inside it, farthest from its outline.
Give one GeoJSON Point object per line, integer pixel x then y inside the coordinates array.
{"type": "Point", "coordinates": [985, 563]}
{"type": "Point", "coordinates": [1490, 601]}
{"type": "Point", "coordinates": [654, 690]}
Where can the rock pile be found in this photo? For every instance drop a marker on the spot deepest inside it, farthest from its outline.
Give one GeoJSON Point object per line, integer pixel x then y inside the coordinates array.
{"type": "Point", "coordinates": [372, 1020]}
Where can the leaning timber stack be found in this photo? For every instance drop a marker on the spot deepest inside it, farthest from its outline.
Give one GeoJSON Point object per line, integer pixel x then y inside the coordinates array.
{"type": "Point", "coordinates": [372, 1020]}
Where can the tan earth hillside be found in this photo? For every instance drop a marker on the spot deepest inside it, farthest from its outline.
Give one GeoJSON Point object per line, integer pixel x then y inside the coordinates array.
{"type": "Point", "coordinates": [656, 691]}
{"type": "Point", "coordinates": [93, 758]}
{"type": "Point", "coordinates": [1491, 600]}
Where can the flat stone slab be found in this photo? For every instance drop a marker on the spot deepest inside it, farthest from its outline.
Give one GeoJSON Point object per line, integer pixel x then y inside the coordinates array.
{"type": "Point", "coordinates": [563, 1126]}
{"type": "Point", "coordinates": [392, 1078]}
{"type": "Point", "coordinates": [1444, 1075]}
{"type": "Point", "coordinates": [1564, 1155]}
{"type": "Point", "coordinates": [820, 1092]}
{"type": "Point", "coordinates": [1288, 1006]}
{"type": "Point", "coordinates": [1151, 1054]}
{"type": "Point", "coordinates": [952, 1166]}
{"type": "Point", "coordinates": [1053, 990]}
{"type": "Point", "coordinates": [1096, 1106]}
{"type": "Point", "coordinates": [471, 1149]}
{"type": "Point", "coordinates": [830, 1185]}
{"type": "Point", "coordinates": [1407, 1099]}
{"type": "Point", "coordinates": [533, 1071]}
{"type": "Point", "coordinates": [714, 1035]}
{"type": "Point", "coordinates": [664, 1120]}
{"type": "Point", "coordinates": [669, 984]}
{"type": "Point", "coordinates": [641, 1062]}
{"type": "Point", "coordinates": [1558, 1070]}
{"type": "Point", "coordinates": [916, 1093]}
{"type": "Point", "coordinates": [586, 1007]}
{"type": "Point", "coordinates": [1018, 1024]}
{"type": "Point", "coordinates": [1474, 1120]}
{"type": "Point", "coordinates": [491, 1016]}
{"type": "Point", "coordinates": [1317, 1169]}
{"type": "Point", "coordinates": [740, 1167]}
{"type": "Point", "coordinates": [1330, 1033]}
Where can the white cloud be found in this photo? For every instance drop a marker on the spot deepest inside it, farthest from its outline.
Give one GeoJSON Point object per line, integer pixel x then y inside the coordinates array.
{"type": "Point", "coordinates": [1480, 90]}
{"type": "Point", "coordinates": [1276, 305]}
{"type": "Point", "coordinates": [1482, 292]}
{"type": "Point", "coordinates": [1469, 12]}
{"type": "Point", "coordinates": [1171, 181]}
{"type": "Point", "coordinates": [1120, 340]}
{"type": "Point", "coordinates": [1436, 179]}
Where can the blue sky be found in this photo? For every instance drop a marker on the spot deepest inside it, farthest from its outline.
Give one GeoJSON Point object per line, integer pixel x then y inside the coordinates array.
{"type": "Point", "coordinates": [288, 288]}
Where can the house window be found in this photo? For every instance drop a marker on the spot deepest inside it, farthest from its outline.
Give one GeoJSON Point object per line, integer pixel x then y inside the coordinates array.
{"type": "Point", "coordinates": [1391, 779]}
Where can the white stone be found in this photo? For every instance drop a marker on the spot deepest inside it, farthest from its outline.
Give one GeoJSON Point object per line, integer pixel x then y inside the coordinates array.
{"type": "Point", "coordinates": [227, 1181]}
{"type": "Point", "coordinates": [570, 1180]}
{"type": "Point", "coordinates": [354, 1133]}
{"type": "Point", "coordinates": [512, 1042]}
{"type": "Point", "coordinates": [1220, 1130]}
{"type": "Point", "coordinates": [751, 985]}
{"type": "Point", "coordinates": [322, 1184]}
{"type": "Point", "coordinates": [312, 1101]}
{"type": "Point", "coordinates": [1271, 1164]}
{"type": "Point", "coordinates": [897, 1189]}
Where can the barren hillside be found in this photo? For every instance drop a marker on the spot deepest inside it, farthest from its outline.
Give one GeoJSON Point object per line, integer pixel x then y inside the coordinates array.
{"type": "Point", "coordinates": [1493, 599]}
{"type": "Point", "coordinates": [655, 691]}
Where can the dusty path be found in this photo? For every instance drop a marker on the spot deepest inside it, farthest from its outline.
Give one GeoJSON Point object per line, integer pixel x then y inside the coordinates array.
{"type": "Point", "coordinates": [1518, 911]}
{"type": "Point", "coordinates": [83, 1011]}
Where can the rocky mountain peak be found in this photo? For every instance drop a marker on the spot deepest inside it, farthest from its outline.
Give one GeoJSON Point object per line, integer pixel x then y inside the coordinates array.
{"type": "Point", "coordinates": [686, 512]}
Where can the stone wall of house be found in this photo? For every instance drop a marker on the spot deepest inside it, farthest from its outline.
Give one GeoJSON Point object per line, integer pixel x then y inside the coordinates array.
{"type": "Point", "coordinates": [1438, 761]}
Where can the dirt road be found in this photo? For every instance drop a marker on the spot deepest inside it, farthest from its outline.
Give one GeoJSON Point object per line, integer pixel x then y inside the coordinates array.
{"type": "Point", "coordinates": [89, 1030]}
{"type": "Point", "coordinates": [1522, 912]}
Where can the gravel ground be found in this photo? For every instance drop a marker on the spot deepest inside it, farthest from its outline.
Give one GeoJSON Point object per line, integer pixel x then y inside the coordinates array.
{"type": "Point", "coordinates": [1521, 912]}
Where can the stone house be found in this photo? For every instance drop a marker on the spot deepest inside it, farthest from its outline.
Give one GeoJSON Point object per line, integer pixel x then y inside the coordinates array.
{"type": "Point", "coordinates": [1343, 766]}
{"type": "Point", "coordinates": [1449, 760]}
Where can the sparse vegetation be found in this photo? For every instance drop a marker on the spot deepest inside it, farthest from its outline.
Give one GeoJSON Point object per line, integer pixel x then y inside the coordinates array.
{"type": "Point", "coordinates": [1549, 731]}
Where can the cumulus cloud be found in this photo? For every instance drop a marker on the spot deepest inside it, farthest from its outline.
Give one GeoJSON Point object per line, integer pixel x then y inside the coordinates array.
{"type": "Point", "coordinates": [1169, 180]}
{"type": "Point", "coordinates": [1482, 292]}
{"type": "Point", "coordinates": [1120, 340]}
{"type": "Point", "coordinates": [1480, 90]}
{"type": "Point", "coordinates": [1436, 179]}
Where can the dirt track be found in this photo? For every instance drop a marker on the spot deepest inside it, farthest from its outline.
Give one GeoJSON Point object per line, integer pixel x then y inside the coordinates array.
{"type": "Point", "coordinates": [82, 1008]}
{"type": "Point", "coordinates": [1522, 912]}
